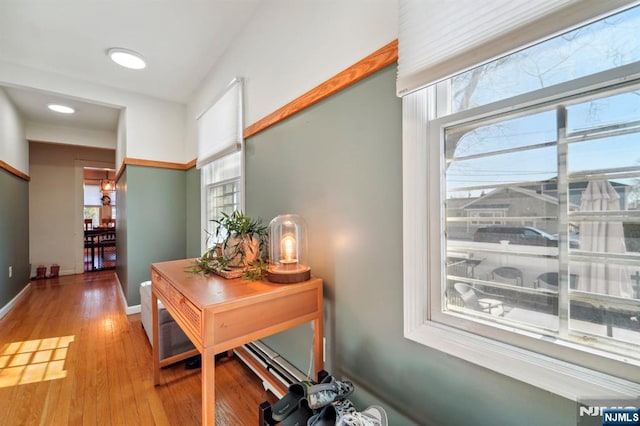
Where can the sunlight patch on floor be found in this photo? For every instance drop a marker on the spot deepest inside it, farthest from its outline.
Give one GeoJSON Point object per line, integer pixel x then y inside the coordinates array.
{"type": "Point", "coordinates": [33, 361]}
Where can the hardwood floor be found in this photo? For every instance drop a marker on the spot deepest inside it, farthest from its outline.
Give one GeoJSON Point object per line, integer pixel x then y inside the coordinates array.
{"type": "Point", "coordinates": [70, 356]}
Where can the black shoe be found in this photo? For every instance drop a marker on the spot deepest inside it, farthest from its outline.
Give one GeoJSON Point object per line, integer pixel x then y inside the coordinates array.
{"type": "Point", "coordinates": [193, 362]}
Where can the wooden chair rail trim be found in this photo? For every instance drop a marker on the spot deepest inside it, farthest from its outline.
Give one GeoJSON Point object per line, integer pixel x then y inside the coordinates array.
{"type": "Point", "coordinates": [379, 59]}
{"type": "Point", "coordinates": [152, 163]}
{"type": "Point", "coordinates": [14, 171]}
{"type": "Point", "coordinates": [374, 62]}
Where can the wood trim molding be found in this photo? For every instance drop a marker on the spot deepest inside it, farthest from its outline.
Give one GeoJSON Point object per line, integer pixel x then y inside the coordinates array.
{"type": "Point", "coordinates": [379, 59]}
{"type": "Point", "coordinates": [191, 164]}
{"type": "Point", "coordinates": [153, 163]}
{"type": "Point", "coordinates": [14, 171]}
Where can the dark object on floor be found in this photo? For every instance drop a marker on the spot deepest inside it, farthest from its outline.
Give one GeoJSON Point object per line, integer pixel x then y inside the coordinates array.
{"type": "Point", "coordinates": [290, 403]}
{"type": "Point", "coordinates": [193, 362]}
{"type": "Point", "coordinates": [328, 391]}
{"type": "Point", "coordinates": [196, 361]}
{"type": "Point", "coordinates": [300, 416]}
{"type": "Point", "coordinates": [265, 410]}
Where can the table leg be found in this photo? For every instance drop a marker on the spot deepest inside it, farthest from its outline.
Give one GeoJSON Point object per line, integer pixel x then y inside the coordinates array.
{"type": "Point", "coordinates": [155, 338]}
{"type": "Point", "coordinates": [93, 254]}
{"type": "Point", "coordinates": [318, 345]}
{"type": "Point", "coordinates": [208, 388]}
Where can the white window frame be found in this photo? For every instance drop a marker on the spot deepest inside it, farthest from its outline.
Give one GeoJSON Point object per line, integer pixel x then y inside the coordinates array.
{"type": "Point", "coordinates": [220, 136]}
{"type": "Point", "coordinates": [423, 259]}
{"type": "Point", "coordinates": [206, 241]}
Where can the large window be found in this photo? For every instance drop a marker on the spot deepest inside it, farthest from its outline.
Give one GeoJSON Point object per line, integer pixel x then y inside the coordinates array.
{"type": "Point", "coordinates": [525, 248]}
{"type": "Point", "coordinates": [572, 275]}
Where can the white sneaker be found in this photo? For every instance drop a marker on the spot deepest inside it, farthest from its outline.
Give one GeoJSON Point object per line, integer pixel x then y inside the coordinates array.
{"type": "Point", "coordinates": [371, 416]}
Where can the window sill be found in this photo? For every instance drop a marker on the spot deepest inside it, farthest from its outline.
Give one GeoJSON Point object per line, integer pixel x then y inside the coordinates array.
{"type": "Point", "coordinates": [559, 377]}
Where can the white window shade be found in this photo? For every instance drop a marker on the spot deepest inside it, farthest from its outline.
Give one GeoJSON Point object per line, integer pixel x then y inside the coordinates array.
{"type": "Point", "coordinates": [438, 39]}
{"type": "Point", "coordinates": [220, 127]}
{"type": "Point", "coordinates": [92, 195]}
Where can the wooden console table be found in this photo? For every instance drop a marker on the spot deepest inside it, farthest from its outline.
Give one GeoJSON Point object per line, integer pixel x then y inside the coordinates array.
{"type": "Point", "coordinates": [219, 314]}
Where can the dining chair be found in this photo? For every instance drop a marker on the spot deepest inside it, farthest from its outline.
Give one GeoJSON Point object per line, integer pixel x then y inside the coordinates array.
{"type": "Point", "coordinates": [107, 222]}
{"type": "Point", "coordinates": [106, 239]}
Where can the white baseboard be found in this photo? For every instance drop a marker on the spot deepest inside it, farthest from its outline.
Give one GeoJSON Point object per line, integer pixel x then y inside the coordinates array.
{"type": "Point", "coordinates": [6, 308]}
{"type": "Point", "coordinates": [129, 310]}
{"type": "Point", "coordinates": [69, 272]}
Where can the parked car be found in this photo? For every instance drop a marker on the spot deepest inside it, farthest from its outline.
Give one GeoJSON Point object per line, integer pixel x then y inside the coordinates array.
{"type": "Point", "coordinates": [525, 235]}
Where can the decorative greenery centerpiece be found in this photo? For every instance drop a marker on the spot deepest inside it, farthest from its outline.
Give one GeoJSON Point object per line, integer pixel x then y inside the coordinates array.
{"type": "Point", "coordinates": [241, 248]}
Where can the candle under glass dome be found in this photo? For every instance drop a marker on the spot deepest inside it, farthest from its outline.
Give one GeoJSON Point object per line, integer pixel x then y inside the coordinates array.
{"type": "Point", "coordinates": [288, 250]}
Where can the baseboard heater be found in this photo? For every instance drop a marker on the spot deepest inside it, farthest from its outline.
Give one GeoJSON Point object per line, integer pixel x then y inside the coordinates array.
{"type": "Point", "coordinates": [275, 372]}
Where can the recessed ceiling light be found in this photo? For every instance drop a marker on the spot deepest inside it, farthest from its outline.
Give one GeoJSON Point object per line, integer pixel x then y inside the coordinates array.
{"type": "Point", "coordinates": [62, 109]}
{"type": "Point", "coordinates": [127, 58]}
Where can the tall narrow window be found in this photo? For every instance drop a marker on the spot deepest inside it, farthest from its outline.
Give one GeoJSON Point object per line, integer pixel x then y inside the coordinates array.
{"type": "Point", "coordinates": [220, 158]}
{"type": "Point", "coordinates": [92, 203]}
{"type": "Point", "coordinates": [222, 190]}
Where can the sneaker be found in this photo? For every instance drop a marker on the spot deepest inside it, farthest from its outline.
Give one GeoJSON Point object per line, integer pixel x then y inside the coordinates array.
{"type": "Point", "coordinates": [329, 414]}
{"type": "Point", "coordinates": [328, 391]}
{"type": "Point", "coordinates": [371, 416]}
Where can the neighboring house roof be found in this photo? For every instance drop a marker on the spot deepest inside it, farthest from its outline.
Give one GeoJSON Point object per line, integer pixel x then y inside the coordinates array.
{"type": "Point", "coordinates": [580, 184]}
{"type": "Point", "coordinates": [488, 206]}
{"type": "Point", "coordinates": [477, 202]}
{"type": "Point", "coordinates": [484, 201]}
{"type": "Point", "coordinates": [458, 203]}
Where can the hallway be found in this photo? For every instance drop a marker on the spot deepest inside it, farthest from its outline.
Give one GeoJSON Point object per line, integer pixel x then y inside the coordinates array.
{"type": "Point", "coordinates": [69, 355]}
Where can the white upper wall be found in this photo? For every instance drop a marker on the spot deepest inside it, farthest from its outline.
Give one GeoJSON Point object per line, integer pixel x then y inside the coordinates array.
{"type": "Point", "coordinates": [154, 128]}
{"type": "Point", "coordinates": [14, 148]}
{"type": "Point", "coordinates": [70, 135]}
{"type": "Point", "coordinates": [121, 140]}
{"type": "Point", "coordinates": [289, 47]}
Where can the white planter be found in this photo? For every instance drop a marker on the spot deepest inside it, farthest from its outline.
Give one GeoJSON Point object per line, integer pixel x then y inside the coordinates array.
{"type": "Point", "coordinates": [234, 248]}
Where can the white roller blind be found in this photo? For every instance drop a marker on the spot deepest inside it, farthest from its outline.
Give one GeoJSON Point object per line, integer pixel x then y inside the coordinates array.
{"type": "Point", "coordinates": [440, 38]}
{"type": "Point", "coordinates": [220, 126]}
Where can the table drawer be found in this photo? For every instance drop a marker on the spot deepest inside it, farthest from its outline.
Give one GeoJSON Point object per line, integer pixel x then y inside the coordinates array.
{"type": "Point", "coordinates": [178, 305]}
{"type": "Point", "coordinates": [191, 314]}
{"type": "Point", "coordinates": [160, 284]}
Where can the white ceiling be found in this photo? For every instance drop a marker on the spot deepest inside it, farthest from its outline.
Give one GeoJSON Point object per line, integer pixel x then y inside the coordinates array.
{"type": "Point", "coordinates": [180, 40]}
{"type": "Point", "coordinates": [33, 105]}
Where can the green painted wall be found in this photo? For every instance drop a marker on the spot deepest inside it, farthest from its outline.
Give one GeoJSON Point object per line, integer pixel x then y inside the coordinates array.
{"type": "Point", "coordinates": [154, 224]}
{"type": "Point", "coordinates": [194, 228]}
{"type": "Point", "coordinates": [122, 251]}
{"type": "Point", "coordinates": [339, 165]}
{"type": "Point", "coordinates": [14, 235]}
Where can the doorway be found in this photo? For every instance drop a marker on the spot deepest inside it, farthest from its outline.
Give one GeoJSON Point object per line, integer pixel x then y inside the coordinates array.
{"type": "Point", "coordinates": [99, 213]}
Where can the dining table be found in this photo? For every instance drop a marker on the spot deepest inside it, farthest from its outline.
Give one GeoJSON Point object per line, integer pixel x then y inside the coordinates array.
{"type": "Point", "coordinates": [96, 237]}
